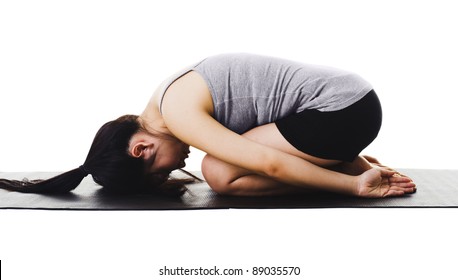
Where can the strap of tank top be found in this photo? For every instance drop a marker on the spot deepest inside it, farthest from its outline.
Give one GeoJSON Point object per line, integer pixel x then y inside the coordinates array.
{"type": "Point", "coordinates": [169, 81]}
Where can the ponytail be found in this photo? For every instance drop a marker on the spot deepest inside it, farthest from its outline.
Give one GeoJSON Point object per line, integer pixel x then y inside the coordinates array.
{"type": "Point", "coordinates": [62, 183]}
{"type": "Point", "coordinates": [110, 165]}
{"type": "Point", "coordinates": [108, 161]}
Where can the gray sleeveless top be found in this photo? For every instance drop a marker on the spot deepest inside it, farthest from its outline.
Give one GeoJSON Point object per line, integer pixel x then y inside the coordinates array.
{"type": "Point", "coordinates": [251, 90]}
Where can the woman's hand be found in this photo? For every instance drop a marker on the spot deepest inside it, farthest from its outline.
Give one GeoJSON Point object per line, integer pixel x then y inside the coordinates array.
{"type": "Point", "coordinates": [383, 182]}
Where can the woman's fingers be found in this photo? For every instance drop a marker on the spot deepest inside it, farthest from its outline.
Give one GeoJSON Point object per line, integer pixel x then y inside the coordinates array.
{"type": "Point", "coordinates": [400, 186]}
{"type": "Point", "coordinates": [391, 193]}
{"type": "Point", "coordinates": [386, 172]}
{"type": "Point", "coordinates": [394, 176]}
{"type": "Point", "coordinates": [401, 181]}
{"type": "Point", "coordinates": [399, 191]}
{"type": "Point", "coordinates": [404, 189]}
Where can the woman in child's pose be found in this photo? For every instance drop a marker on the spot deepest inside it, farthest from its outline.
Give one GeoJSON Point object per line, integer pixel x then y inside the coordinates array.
{"type": "Point", "coordinates": [269, 126]}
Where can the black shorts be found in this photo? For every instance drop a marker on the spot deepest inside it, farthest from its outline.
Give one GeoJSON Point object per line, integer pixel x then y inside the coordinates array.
{"type": "Point", "coordinates": [338, 135]}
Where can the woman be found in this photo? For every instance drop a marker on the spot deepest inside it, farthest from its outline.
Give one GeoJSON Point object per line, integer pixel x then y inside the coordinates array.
{"type": "Point", "coordinates": [269, 126]}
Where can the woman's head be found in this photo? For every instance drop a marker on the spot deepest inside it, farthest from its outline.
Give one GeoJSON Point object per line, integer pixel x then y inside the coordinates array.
{"type": "Point", "coordinates": [114, 164]}
{"type": "Point", "coordinates": [109, 161]}
{"type": "Point", "coordinates": [161, 153]}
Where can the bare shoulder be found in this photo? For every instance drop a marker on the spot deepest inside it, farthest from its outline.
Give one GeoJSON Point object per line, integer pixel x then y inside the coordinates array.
{"type": "Point", "coordinates": [189, 92]}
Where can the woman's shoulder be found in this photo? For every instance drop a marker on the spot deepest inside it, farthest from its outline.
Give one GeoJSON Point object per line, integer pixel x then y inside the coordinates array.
{"type": "Point", "coordinates": [160, 91]}
{"type": "Point", "coordinates": [189, 90]}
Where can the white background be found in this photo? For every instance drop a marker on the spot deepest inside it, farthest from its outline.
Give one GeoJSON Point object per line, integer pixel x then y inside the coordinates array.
{"type": "Point", "coordinates": [67, 67]}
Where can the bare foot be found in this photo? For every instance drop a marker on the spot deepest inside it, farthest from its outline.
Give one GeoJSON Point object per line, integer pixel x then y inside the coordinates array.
{"type": "Point", "coordinates": [380, 182]}
{"type": "Point", "coordinates": [374, 162]}
{"type": "Point", "coordinates": [357, 167]}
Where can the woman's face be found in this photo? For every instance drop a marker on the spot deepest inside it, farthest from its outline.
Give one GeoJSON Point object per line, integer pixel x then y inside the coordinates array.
{"type": "Point", "coordinates": [168, 155]}
{"type": "Point", "coordinates": [161, 155]}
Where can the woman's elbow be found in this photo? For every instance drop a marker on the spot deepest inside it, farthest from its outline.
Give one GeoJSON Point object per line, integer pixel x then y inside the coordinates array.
{"type": "Point", "coordinates": [271, 168]}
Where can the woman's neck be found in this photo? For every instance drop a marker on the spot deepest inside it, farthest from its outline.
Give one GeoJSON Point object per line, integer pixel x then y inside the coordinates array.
{"type": "Point", "coordinates": [152, 121]}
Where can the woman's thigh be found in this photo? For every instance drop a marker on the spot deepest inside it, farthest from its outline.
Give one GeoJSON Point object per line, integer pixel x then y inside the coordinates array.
{"type": "Point", "coordinates": [269, 135]}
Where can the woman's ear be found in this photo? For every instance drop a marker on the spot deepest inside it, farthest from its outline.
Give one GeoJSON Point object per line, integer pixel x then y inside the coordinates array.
{"type": "Point", "coordinates": [141, 145]}
{"type": "Point", "coordinates": [142, 149]}
{"type": "Point", "coordinates": [138, 150]}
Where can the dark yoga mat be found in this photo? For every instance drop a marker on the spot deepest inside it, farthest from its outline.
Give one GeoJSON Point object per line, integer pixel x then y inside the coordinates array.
{"type": "Point", "coordinates": [435, 188]}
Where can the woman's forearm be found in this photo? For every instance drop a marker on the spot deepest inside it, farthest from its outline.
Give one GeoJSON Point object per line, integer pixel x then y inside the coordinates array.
{"type": "Point", "coordinates": [299, 172]}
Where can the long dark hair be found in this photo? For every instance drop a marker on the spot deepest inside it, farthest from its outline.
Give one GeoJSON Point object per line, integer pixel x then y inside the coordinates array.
{"type": "Point", "coordinates": [110, 165]}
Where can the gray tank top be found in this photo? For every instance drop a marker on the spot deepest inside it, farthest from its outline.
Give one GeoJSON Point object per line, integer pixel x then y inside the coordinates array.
{"type": "Point", "coordinates": [251, 90]}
